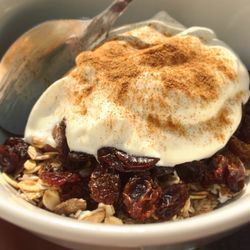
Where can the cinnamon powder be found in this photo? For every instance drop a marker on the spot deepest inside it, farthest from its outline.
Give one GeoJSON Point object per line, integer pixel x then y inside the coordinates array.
{"type": "Point", "coordinates": [174, 63]}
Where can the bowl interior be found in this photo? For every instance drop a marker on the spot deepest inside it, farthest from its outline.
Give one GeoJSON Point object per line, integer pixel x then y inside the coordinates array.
{"type": "Point", "coordinates": [230, 18]}
{"type": "Point", "coordinates": [17, 16]}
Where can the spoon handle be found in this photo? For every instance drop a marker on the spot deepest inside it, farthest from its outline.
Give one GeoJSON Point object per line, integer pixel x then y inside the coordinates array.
{"type": "Point", "coordinates": [100, 25]}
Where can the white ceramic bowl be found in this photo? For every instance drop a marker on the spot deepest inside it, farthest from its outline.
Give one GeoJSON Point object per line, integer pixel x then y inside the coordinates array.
{"type": "Point", "coordinates": [230, 19]}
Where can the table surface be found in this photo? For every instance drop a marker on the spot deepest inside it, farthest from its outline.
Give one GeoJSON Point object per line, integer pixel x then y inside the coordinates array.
{"type": "Point", "coordinates": [14, 238]}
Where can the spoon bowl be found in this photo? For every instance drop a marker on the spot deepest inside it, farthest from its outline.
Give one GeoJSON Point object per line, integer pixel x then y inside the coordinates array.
{"type": "Point", "coordinates": [43, 55]}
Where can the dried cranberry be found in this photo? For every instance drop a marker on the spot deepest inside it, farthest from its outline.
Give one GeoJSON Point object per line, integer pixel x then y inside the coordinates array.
{"type": "Point", "coordinates": [191, 172]}
{"type": "Point", "coordinates": [59, 178]}
{"type": "Point", "coordinates": [139, 197]}
{"type": "Point", "coordinates": [124, 162]}
{"type": "Point", "coordinates": [79, 160]}
{"type": "Point", "coordinates": [171, 202]}
{"type": "Point", "coordinates": [59, 135]}
{"type": "Point", "coordinates": [239, 148]}
{"type": "Point", "coordinates": [104, 186]}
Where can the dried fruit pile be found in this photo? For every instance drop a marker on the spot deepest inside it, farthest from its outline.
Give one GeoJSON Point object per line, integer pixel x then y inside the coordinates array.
{"type": "Point", "coordinates": [118, 188]}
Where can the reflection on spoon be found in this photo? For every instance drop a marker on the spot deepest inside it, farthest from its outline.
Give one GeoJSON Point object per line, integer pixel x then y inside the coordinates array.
{"type": "Point", "coordinates": [43, 55]}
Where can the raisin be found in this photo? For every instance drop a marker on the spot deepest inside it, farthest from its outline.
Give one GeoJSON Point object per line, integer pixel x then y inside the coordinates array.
{"type": "Point", "coordinates": [217, 170]}
{"type": "Point", "coordinates": [223, 169]}
{"type": "Point", "coordinates": [72, 190]}
{"type": "Point", "coordinates": [59, 135]}
{"type": "Point", "coordinates": [79, 160]}
{"type": "Point", "coordinates": [140, 196]}
{"type": "Point", "coordinates": [226, 169]}
{"type": "Point", "coordinates": [9, 160]}
{"type": "Point", "coordinates": [244, 133]}
{"type": "Point", "coordinates": [58, 179]}
{"type": "Point", "coordinates": [247, 107]}
{"type": "Point", "coordinates": [171, 202]}
{"type": "Point", "coordinates": [124, 162]}
{"type": "Point", "coordinates": [191, 172]}
{"type": "Point", "coordinates": [239, 148]}
{"type": "Point", "coordinates": [160, 171]}
{"type": "Point", "coordinates": [164, 175]}
{"type": "Point", "coordinates": [104, 186]}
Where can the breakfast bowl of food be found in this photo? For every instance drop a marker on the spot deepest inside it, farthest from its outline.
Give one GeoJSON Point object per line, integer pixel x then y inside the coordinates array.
{"type": "Point", "coordinates": [144, 142]}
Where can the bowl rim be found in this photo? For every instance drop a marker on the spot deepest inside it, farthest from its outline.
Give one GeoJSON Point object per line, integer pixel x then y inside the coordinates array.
{"type": "Point", "coordinates": [51, 225]}
{"type": "Point", "coordinates": [54, 226]}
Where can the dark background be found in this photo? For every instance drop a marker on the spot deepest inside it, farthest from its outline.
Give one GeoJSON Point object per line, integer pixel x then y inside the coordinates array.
{"type": "Point", "coordinates": [14, 238]}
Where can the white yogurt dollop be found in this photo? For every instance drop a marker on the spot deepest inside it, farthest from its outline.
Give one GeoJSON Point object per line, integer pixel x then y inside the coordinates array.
{"type": "Point", "coordinates": [180, 108]}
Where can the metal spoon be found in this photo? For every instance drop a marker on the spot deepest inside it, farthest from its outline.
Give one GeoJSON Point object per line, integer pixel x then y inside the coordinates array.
{"type": "Point", "coordinates": [43, 55]}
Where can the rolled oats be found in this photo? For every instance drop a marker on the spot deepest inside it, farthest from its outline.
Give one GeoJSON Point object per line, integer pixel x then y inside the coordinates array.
{"type": "Point", "coordinates": [113, 220]}
{"type": "Point", "coordinates": [205, 205]}
{"type": "Point", "coordinates": [37, 142]}
{"type": "Point", "coordinates": [186, 209]}
{"type": "Point", "coordinates": [27, 176]}
{"type": "Point", "coordinates": [70, 206]}
{"type": "Point", "coordinates": [37, 155]}
{"type": "Point", "coordinates": [95, 216]}
{"type": "Point", "coordinates": [198, 195]}
{"type": "Point", "coordinates": [33, 152]}
{"type": "Point", "coordinates": [46, 156]}
{"type": "Point", "coordinates": [109, 209]}
{"type": "Point", "coordinates": [32, 196]}
{"type": "Point", "coordinates": [30, 185]}
{"type": "Point", "coordinates": [29, 165]}
{"type": "Point", "coordinates": [51, 199]}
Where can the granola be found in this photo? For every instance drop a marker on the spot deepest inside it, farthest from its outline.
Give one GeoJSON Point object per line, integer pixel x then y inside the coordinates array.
{"type": "Point", "coordinates": [145, 193]}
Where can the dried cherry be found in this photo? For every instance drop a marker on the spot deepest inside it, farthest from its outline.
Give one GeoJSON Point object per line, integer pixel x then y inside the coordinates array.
{"type": "Point", "coordinates": [123, 162]}
{"type": "Point", "coordinates": [104, 186]}
{"type": "Point", "coordinates": [171, 202]}
{"type": "Point", "coordinates": [140, 196]}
